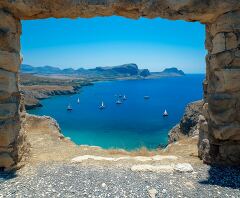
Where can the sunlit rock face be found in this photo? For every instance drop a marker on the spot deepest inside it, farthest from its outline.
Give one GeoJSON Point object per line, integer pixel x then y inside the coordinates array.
{"type": "Point", "coordinates": [220, 126]}
{"type": "Point", "coordinates": [191, 10]}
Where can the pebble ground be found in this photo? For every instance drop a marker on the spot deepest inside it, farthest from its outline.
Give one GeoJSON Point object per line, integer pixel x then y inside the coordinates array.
{"type": "Point", "coordinates": [69, 180]}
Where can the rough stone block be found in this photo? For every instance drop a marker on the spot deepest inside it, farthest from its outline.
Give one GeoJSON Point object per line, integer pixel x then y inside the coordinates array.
{"type": "Point", "coordinates": [9, 23]}
{"type": "Point", "coordinates": [225, 80]}
{"type": "Point", "coordinates": [220, 60]}
{"type": "Point", "coordinates": [231, 41]}
{"type": "Point", "coordinates": [8, 110]}
{"type": "Point", "coordinates": [222, 108]}
{"type": "Point", "coordinates": [9, 61]}
{"type": "Point", "coordinates": [226, 23]}
{"type": "Point", "coordinates": [9, 41]}
{"type": "Point", "coordinates": [8, 84]}
{"type": "Point", "coordinates": [219, 43]}
{"type": "Point", "coordinates": [230, 153]}
{"type": "Point", "coordinates": [228, 132]}
{"type": "Point", "coordinates": [6, 160]}
{"type": "Point", "coordinates": [8, 132]}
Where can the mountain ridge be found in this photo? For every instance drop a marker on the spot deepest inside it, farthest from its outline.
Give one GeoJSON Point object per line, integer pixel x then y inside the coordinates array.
{"type": "Point", "coordinates": [130, 69]}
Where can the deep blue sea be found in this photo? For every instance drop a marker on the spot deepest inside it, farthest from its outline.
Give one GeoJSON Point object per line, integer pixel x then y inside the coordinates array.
{"type": "Point", "coordinates": [135, 123]}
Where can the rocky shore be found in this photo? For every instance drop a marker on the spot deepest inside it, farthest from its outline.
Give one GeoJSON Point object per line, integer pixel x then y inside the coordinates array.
{"type": "Point", "coordinates": [188, 126]}
{"type": "Point", "coordinates": [33, 94]}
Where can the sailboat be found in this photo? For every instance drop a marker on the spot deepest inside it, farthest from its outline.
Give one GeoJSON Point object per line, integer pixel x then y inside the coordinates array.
{"type": "Point", "coordinates": [78, 100]}
{"type": "Point", "coordinates": [69, 108]}
{"type": "Point", "coordinates": [124, 97]}
{"type": "Point", "coordinates": [165, 113]}
{"type": "Point", "coordinates": [102, 106]}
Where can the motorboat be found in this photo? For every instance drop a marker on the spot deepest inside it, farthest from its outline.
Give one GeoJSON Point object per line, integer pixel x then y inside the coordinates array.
{"type": "Point", "coordinates": [118, 102]}
{"type": "Point", "coordinates": [69, 108]}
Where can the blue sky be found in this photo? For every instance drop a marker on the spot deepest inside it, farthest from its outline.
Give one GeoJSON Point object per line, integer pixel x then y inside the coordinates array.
{"type": "Point", "coordinates": [107, 41]}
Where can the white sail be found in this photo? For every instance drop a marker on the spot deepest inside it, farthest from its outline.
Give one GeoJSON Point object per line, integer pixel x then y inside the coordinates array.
{"type": "Point", "coordinates": [165, 112]}
{"type": "Point", "coordinates": [78, 100]}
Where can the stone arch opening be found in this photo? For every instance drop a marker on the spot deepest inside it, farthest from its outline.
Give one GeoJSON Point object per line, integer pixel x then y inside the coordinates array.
{"type": "Point", "coordinates": [157, 128]}
{"type": "Point", "coordinates": [220, 128]}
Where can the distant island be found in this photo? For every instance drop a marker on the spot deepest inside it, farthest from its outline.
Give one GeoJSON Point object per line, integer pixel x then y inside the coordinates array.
{"type": "Point", "coordinates": [38, 83]}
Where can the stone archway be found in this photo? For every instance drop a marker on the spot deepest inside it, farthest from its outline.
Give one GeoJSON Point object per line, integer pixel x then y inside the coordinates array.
{"type": "Point", "coordinates": [220, 127]}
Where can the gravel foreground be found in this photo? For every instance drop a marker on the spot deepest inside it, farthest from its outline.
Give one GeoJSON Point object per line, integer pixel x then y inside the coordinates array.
{"type": "Point", "coordinates": [69, 180]}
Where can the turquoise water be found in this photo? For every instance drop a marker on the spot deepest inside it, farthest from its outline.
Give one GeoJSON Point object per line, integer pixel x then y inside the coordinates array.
{"type": "Point", "coordinates": [135, 123]}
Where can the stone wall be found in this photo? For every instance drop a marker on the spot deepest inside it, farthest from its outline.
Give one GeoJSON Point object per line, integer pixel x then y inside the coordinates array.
{"type": "Point", "coordinates": [220, 138]}
{"type": "Point", "coordinates": [220, 127]}
{"type": "Point", "coordinates": [11, 137]}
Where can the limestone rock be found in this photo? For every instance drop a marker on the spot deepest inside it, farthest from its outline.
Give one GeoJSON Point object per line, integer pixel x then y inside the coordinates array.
{"type": "Point", "coordinates": [219, 43]}
{"type": "Point", "coordinates": [152, 192]}
{"type": "Point", "coordinates": [183, 167]}
{"type": "Point", "coordinates": [7, 83]}
{"type": "Point", "coordinates": [8, 110]}
{"type": "Point", "coordinates": [231, 41]}
{"type": "Point", "coordinates": [152, 168]}
{"type": "Point", "coordinates": [190, 10]}
{"type": "Point", "coordinates": [9, 61]}
{"type": "Point", "coordinates": [188, 124]}
{"type": "Point", "coordinates": [8, 132]}
{"type": "Point", "coordinates": [6, 160]}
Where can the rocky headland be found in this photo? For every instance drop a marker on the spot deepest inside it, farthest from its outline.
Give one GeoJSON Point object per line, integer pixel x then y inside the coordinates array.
{"type": "Point", "coordinates": [189, 124]}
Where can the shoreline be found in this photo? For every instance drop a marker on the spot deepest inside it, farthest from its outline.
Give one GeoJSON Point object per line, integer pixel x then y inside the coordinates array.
{"type": "Point", "coordinates": [76, 90]}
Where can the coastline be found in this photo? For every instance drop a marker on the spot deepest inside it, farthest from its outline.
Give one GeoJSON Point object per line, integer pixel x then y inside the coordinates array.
{"type": "Point", "coordinates": [33, 97]}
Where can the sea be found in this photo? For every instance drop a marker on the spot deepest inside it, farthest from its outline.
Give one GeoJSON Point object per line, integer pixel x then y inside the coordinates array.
{"type": "Point", "coordinates": [136, 123]}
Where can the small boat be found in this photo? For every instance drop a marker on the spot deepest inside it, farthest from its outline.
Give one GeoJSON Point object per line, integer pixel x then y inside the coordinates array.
{"type": "Point", "coordinates": [120, 96]}
{"type": "Point", "coordinates": [165, 113]}
{"type": "Point", "coordinates": [146, 97]}
{"type": "Point", "coordinates": [78, 100]}
{"type": "Point", "coordinates": [118, 102]}
{"type": "Point", "coordinates": [102, 106]}
{"type": "Point", "coordinates": [69, 108]}
{"type": "Point", "coordinates": [124, 97]}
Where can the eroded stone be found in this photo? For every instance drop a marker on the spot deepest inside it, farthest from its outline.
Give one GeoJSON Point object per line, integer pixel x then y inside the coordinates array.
{"type": "Point", "coordinates": [229, 132]}
{"type": "Point", "coordinates": [9, 61]}
{"type": "Point", "coordinates": [6, 160]}
{"type": "Point", "coordinates": [8, 110]}
{"type": "Point", "coordinates": [219, 43]}
{"type": "Point", "coordinates": [8, 84]}
{"type": "Point", "coordinates": [8, 132]}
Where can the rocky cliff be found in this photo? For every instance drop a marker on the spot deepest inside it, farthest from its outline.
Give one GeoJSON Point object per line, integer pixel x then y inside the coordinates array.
{"type": "Point", "coordinates": [188, 125]}
{"type": "Point", "coordinates": [32, 94]}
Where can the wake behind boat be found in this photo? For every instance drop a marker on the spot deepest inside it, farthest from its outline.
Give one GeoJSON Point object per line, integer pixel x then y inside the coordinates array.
{"type": "Point", "coordinates": [69, 108]}
{"type": "Point", "coordinates": [146, 97]}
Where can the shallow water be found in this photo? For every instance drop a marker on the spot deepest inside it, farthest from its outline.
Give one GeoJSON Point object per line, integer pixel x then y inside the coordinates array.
{"type": "Point", "coordinates": [135, 123]}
